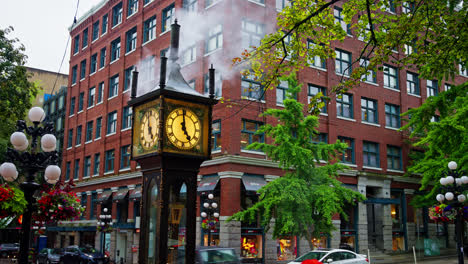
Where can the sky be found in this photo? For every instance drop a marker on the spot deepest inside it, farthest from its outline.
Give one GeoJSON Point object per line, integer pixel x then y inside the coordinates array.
{"type": "Point", "coordinates": [42, 27]}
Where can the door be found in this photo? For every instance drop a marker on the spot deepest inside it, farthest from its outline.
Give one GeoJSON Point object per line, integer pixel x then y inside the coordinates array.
{"type": "Point", "coordinates": [121, 248]}
{"type": "Point", "coordinates": [375, 226]}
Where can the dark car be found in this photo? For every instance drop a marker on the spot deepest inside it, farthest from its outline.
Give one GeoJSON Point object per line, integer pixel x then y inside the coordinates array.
{"type": "Point", "coordinates": [211, 255]}
{"type": "Point", "coordinates": [9, 250]}
{"type": "Point", "coordinates": [80, 255]}
{"type": "Point", "coordinates": [49, 256]}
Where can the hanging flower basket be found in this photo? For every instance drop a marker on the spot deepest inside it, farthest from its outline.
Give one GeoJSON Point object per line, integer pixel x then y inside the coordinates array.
{"type": "Point", "coordinates": [12, 202]}
{"type": "Point", "coordinates": [104, 229]}
{"type": "Point", "coordinates": [209, 223]}
{"type": "Point", "coordinates": [442, 213]}
{"type": "Point", "coordinates": [58, 204]}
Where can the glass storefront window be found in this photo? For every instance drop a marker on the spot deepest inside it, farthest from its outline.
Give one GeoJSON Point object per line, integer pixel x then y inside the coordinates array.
{"type": "Point", "coordinates": [320, 242]}
{"type": "Point", "coordinates": [251, 246]}
{"type": "Point", "coordinates": [398, 243]}
{"type": "Point", "coordinates": [287, 248]}
{"type": "Point", "coordinates": [177, 224]}
{"type": "Point", "coordinates": [348, 242]}
{"type": "Point", "coordinates": [214, 239]}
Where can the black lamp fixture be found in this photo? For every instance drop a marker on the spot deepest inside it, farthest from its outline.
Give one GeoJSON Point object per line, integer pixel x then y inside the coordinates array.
{"type": "Point", "coordinates": [454, 185]}
{"type": "Point", "coordinates": [210, 213]}
{"type": "Point", "coordinates": [31, 162]}
{"type": "Point", "coordinates": [104, 224]}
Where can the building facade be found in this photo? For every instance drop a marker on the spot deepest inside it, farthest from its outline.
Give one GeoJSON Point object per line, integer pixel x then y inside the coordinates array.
{"type": "Point", "coordinates": [48, 81]}
{"type": "Point", "coordinates": [118, 35]}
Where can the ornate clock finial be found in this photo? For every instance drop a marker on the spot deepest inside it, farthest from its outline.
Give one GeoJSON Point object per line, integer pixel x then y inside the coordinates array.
{"type": "Point", "coordinates": [212, 82]}
{"type": "Point", "coordinates": [175, 29]}
{"type": "Point", "coordinates": [134, 83]}
{"type": "Point", "coordinates": [162, 73]}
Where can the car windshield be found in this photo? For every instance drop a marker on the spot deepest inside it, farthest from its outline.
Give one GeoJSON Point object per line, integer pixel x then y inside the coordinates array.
{"type": "Point", "coordinates": [57, 251]}
{"type": "Point", "coordinates": [312, 255]}
{"type": "Point", "coordinates": [218, 255]}
{"type": "Point", "coordinates": [8, 245]}
{"type": "Point", "coordinates": [88, 250]}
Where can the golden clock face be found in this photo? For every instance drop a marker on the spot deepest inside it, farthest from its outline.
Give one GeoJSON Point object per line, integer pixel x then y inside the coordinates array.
{"type": "Point", "coordinates": [183, 128]}
{"type": "Point", "coordinates": [149, 129]}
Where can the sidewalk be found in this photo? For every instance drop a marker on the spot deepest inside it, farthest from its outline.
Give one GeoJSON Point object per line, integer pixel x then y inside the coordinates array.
{"type": "Point", "coordinates": [382, 258]}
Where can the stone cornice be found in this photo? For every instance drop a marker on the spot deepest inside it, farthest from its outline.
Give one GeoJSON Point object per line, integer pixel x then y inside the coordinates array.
{"type": "Point", "coordinates": [113, 178]}
{"type": "Point", "coordinates": [240, 160]}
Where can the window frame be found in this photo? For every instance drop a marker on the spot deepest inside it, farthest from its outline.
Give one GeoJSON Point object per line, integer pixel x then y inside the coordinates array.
{"type": "Point", "coordinates": [125, 156]}
{"type": "Point", "coordinates": [168, 14]}
{"type": "Point", "coordinates": [109, 161]}
{"type": "Point", "coordinates": [432, 88]}
{"type": "Point", "coordinates": [394, 158]}
{"type": "Point", "coordinates": [113, 86]}
{"type": "Point", "coordinates": [87, 167]}
{"type": "Point", "coordinates": [112, 123]}
{"type": "Point", "coordinates": [389, 115]}
{"type": "Point", "coordinates": [89, 131]}
{"type": "Point", "coordinates": [91, 96]}
{"type": "Point", "coordinates": [98, 131]}
{"type": "Point", "coordinates": [321, 89]}
{"type": "Point", "coordinates": [252, 133]}
{"type": "Point", "coordinates": [149, 29]}
{"type": "Point", "coordinates": [339, 60]}
{"type": "Point", "coordinates": [127, 114]}
{"type": "Point", "coordinates": [365, 110]}
{"type": "Point", "coordinates": [388, 77]}
{"type": "Point", "coordinates": [115, 49]}
{"type": "Point", "coordinates": [117, 14]}
{"type": "Point", "coordinates": [214, 34]}
{"type": "Point", "coordinates": [351, 148]}
{"type": "Point", "coordinates": [214, 135]}
{"type": "Point", "coordinates": [366, 151]}
{"type": "Point", "coordinates": [131, 40]}
{"type": "Point", "coordinates": [413, 84]}
{"type": "Point", "coordinates": [341, 103]}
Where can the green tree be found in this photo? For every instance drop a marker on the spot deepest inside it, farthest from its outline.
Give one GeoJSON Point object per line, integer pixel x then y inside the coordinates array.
{"type": "Point", "coordinates": [16, 91]}
{"type": "Point", "coordinates": [440, 142]}
{"type": "Point", "coordinates": [303, 201]}
{"type": "Point", "coordinates": [430, 35]}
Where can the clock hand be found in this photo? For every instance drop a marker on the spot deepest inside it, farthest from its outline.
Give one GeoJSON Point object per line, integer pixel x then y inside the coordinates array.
{"type": "Point", "coordinates": [150, 131]}
{"type": "Point", "coordinates": [183, 125]}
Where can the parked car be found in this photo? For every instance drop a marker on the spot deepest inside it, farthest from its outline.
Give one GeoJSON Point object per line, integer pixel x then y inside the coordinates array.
{"type": "Point", "coordinates": [335, 256]}
{"type": "Point", "coordinates": [49, 256]}
{"type": "Point", "coordinates": [79, 255]}
{"type": "Point", "coordinates": [211, 255]}
{"type": "Point", "coordinates": [9, 250]}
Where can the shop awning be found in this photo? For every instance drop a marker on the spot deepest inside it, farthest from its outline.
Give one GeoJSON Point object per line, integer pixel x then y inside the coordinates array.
{"type": "Point", "coordinates": [104, 196]}
{"type": "Point", "coordinates": [120, 194]}
{"type": "Point", "coordinates": [253, 183]}
{"type": "Point", "coordinates": [135, 193]}
{"type": "Point", "coordinates": [208, 184]}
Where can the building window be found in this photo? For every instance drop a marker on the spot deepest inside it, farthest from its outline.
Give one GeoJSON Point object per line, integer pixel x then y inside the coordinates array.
{"type": "Point", "coordinates": [132, 7]}
{"type": "Point", "coordinates": [100, 92]}
{"type": "Point", "coordinates": [78, 135]}
{"type": "Point", "coordinates": [111, 122]}
{"type": "Point", "coordinates": [391, 7]}
{"type": "Point", "coordinates": [87, 166]}
{"type": "Point", "coordinates": [407, 7]}
{"type": "Point", "coordinates": [127, 117]}
{"type": "Point", "coordinates": [313, 91]}
{"type": "Point", "coordinates": [371, 155]}
{"type": "Point", "coordinates": [168, 18]}
{"type": "Point", "coordinates": [248, 133]}
{"type": "Point", "coordinates": [447, 86]}
{"type": "Point", "coordinates": [390, 77]}
{"type": "Point", "coordinates": [287, 248]}
{"type": "Point", "coordinates": [149, 29]}
{"type": "Point", "coordinates": [316, 62]}
{"type": "Point", "coordinates": [125, 157]}
{"type": "Point", "coordinates": [370, 75]}
{"type": "Point", "coordinates": [392, 116]}
{"type": "Point", "coordinates": [251, 88]}
{"type": "Point", "coordinates": [147, 72]}
{"type": "Point", "coordinates": [369, 110]}
{"type": "Point", "coordinates": [67, 171]}
{"type": "Point", "coordinates": [281, 91]}
{"type": "Point", "coordinates": [59, 124]}
{"type": "Point", "coordinates": [343, 62]}
{"type": "Point", "coordinates": [91, 94]}
{"type": "Point", "coordinates": [348, 155]}
{"type": "Point", "coordinates": [393, 158]}
{"type": "Point", "coordinates": [339, 19]}
{"type": "Point", "coordinates": [344, 105]}
{"type": "Point", "coordinates": [189, 55]}
{"type": "Point", "coordinates": [98, 127]}
{"type": "Point", "coordinates": [81, 102]}
{"type": "Point", "coordinates": [214, 40]}
{"type": "Point", "coordinates": [70, 138]}
{"type": "Point", "coordinates": [115, 49]}
{"type": "Point", "coordinates": [412, 83]}
{"type": "Point", "coordinates": [102, 58]}
{"type": "Point", "coordinates": [145, 2]}
{"type": "Point", "coordinates": [85, 38]}
{"type": "Point", "coordinates": [191, 5]}
{"type": "Point", "coordinates": [218, 84]}
{"type": "Point", "coordinates": [109, 160]}
{"type": "Point", "coordinates": [89, 131]}
{"type": "Point", "coordinates": [97, 162]}
{"type": "Point", "coordinates": [76, 44]}
{"type": "Point", "coordinates": [105, 21]}
{"type": "Point", "coordinates": [82, 69]}
{"type": "Point", "coordinates": [72, 106]}
{"type": "Point", "coordinates": [252, 34]}
{"type": "Point", "coordinates": [93, 64]}
{"type": "Point", "coordinates": [463, 70]}
{"type": "Point", "coordinates": [113, 86]}
{"type": "Point", "coordinates": [216, 135]}
{"type": "Point", "coordinates": [74, 74]}
{"type": "Point", "coordinates": [117, 14]}
{"type": "Point", "coordinates": [60, 102]}
{"type": "Point", "coordinates": [281, 4]}
{"type": "Point", "coordinates": [432, 88]}
{"type": "Point", "coordinates": [95, 33]}
{"type": "Point", "coordinates": [128, 78]}
{"type": "Point", "coordinates": [76, 174]}
{"type": "Point", "coordinates": [320, 138]}
{"type": "Point", "coordinates": [131, 37]}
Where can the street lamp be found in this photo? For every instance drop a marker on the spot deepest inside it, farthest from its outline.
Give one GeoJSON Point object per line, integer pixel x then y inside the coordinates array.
{"type": "Point", "coordinates": [453, 187]}
{"type": "Point", "coordinates": [31, 162]}
{"type": "Point", "coordinates": [104, 224]}
{"type": "Point", "coordinates": [210, 214]}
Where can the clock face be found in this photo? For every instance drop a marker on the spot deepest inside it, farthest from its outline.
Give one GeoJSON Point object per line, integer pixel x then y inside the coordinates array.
{"type": "Point", "coordinates": [183, 128]}
{"type": "Point", "coordinates": [149, 128]}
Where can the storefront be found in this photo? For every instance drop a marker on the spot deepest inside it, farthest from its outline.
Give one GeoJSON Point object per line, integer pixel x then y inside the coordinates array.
{"type": "Point", "coordinates": [398, 214]}
{"type": "Point", "coordinates": [348, 228]}
{"type": "Point", "coordinates": [209, 185]}
{"type": "Point", "coordinates": [286, 248]}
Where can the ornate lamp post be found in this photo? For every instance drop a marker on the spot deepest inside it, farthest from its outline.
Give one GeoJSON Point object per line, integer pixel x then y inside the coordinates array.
{"type": "Point", "coordinates": [209, 214]}
{"type": "Point", "coordinates": [31, 162]}
{"type": "Point", "coordinates": [104, 224]}
{"type": "Point", "coordinates": [453, 187]}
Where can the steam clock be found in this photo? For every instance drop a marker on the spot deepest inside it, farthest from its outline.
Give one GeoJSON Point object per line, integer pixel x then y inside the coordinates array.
{"type": "Point", "coordinates": [171, 138]}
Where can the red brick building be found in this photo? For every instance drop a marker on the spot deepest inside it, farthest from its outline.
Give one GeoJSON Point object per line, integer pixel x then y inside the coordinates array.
{"type": "Point", "coordinates": [117, 35]}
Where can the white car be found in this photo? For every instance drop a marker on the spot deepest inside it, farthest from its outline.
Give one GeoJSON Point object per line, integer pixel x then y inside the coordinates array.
{"type": "Point", "coordinates": [335, 256]}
